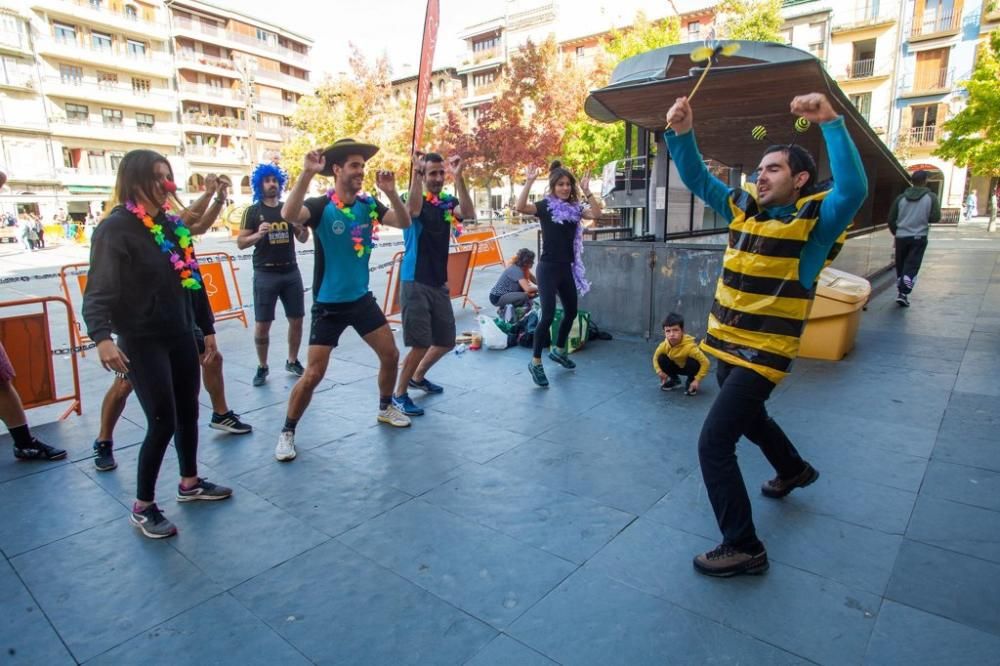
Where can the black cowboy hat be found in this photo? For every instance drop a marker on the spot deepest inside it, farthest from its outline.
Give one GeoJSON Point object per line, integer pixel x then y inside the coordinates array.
{"type": "Point", "coordinates": [343, 148]}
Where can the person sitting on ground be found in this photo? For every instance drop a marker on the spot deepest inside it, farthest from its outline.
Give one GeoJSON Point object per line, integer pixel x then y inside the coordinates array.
{"type": "Point", "coordinates": [677, 355]}
{"type": "Point", "coordinates": [516, 286]}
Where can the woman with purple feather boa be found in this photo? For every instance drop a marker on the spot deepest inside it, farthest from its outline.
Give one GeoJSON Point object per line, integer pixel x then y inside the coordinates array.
{"type": "Point", "coordinates": [560, 267]}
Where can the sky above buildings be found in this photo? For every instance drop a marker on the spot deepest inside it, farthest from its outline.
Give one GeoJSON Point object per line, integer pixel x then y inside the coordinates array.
{"type": "Point", "coordinates": [393, 27]}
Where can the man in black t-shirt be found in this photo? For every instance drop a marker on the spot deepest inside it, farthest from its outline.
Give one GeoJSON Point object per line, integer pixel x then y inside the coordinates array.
{"type": "Point", "coordinates": [275, 272]}
{"type": "Point", "coordinates": [428, 318]}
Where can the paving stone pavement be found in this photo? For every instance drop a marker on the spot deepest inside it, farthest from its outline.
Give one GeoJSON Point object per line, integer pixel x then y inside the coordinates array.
{"type": "Point", "coordinates": [516, 525]}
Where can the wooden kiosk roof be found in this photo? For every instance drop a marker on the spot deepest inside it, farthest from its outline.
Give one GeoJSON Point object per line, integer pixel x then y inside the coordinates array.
{"type": "Point", "coordinates": [753, 87]}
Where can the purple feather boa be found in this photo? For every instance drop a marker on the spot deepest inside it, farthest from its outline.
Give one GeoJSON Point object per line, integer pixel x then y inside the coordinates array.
{"type": "Point", "coordinates": [566, 212]}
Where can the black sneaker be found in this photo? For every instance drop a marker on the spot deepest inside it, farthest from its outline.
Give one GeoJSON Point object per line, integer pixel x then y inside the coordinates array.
{"type": "Point", "coordinates": [260, 377]}
{"type": "Point", "coordinates": [204, 490]}
{"type": "Point", "coordinates": [152, 523]}
{"type": "Point", "coordinates": [687, 388]}
{"type": "Point", "coordinates": [295, 368]}
{"type": "Point", "coordinates": [426, 386]}
{"type": "Point", "coordinates": [38, 451]}
{"type": "Point", "coordinates": [104, 457]}
{"type": "Point", "coordinates": [670, 384]}
{"type": "Point", "coordinates": [230, 422]}
{"type": "Point", "coordinates": [726, 561]}
{"type": "Point", "coordinates": [538, 374]}
{"type": "Point", "coordinates": [902, 300]}
{"type": "Point", "coordinates": [562, 358]}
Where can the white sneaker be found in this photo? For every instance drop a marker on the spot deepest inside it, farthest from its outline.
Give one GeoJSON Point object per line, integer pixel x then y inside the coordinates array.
{"type": "Point", "coordinates": [393, 416]}
{"type": "Point", "coordinates": [285, 450]}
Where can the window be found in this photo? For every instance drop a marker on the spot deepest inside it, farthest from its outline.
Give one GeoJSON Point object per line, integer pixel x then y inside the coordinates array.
{"type": "Point", "coordinates": [580, 52]}
{"type": "Point", "coordinates": [95, 161]}
{"type": "Point", "coordinates": [141, 86]}
{"type": "Point", "coordinates": [131, 13]}
{"type": "Point", "coordinates": [96, 4]}
{"type": "Point", "coordinates": [107, 79]}
{"type": "Point", "coordinates": [924, 124]}
{"type": "Point", "coordinates": [71, 74]}
{"type": "Point", "coordinates": [863, 103]}
{"type": "Point", "coordinates": [264, 35]}
{"type": "Point", "coordinates": [78, 113]}
{"type": "Point", "coordinates": [135, 49]}
{"type": "Point", "coordinates": [69, 159]}
{"type": "Point", "coordinates": [100, 41]}
{"type": "Point", "coordinates": [483, 79]}
{"type": "Point", "coordinates": [145, 122]}
{"type": "Point", "coordinates": [485, 45]}
{"type": "Point", "coordinates": [112, 117]}
{"type": "Point", "coordinates": [932, 69]}
{"type": "Point", "coordinates": [65, 33]}
{"type": "Point", "coordinates": [694, 30]}
{"type": "Point", "coordinates": [116, 159]}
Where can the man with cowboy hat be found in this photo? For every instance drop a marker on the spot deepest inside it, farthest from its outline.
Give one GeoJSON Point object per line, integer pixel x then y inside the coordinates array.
{"type": "Point", "coordinates": [344, 222]}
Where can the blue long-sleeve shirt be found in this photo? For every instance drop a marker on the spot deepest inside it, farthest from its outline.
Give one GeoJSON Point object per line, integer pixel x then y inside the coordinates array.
{"type": "Point", "coordinates": [836, 211]}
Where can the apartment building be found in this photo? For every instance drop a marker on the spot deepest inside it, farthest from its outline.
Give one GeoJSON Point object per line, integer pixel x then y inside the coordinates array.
{"type": "Point", "coordinates": [238, 82]}
{"type": "Point", "coordinates": [26, 148]}
{"type": "Point", "coordinates": [445, 83]}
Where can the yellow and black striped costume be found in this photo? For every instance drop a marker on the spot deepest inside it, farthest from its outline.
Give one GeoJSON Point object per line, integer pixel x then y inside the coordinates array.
{"type": "Point", "coordinates": [760, 305]}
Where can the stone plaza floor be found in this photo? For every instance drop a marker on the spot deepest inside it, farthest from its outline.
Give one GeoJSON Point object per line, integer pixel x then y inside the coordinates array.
{"type": "Point", "coordinates": [515, 525]}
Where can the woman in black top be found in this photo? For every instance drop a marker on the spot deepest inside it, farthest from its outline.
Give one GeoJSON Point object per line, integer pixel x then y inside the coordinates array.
{"type": "Point", "coordinates": [560, 267]}
{"type": "Point", "coordinates": [144, 285]}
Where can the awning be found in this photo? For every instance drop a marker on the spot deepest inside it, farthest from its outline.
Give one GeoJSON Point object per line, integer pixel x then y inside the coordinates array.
{"type": "Point", "coordinates": [753, 87]}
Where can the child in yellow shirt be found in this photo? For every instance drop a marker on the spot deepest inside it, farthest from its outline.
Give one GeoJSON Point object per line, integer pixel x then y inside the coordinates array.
{"type": "Point", "coordinates": [677, 355]}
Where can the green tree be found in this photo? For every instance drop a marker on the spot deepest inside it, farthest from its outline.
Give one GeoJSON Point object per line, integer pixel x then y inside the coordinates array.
{"type": "Point", "coordinates": [752, 20]}
{"type": "Point", "coordinates": [973, 134]}
{"type": "Point", "coordinates": [588, 144]}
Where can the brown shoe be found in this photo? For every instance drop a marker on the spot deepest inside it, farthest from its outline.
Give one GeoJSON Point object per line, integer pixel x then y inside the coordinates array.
{"type": "Point", "coordinates": [727, 561]}
{"type": "Point", "coordinates": [777, 487]}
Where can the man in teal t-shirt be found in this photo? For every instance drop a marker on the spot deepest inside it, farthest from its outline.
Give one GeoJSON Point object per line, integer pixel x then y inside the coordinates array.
{"type": "Point", "coordinates": [343, 221]}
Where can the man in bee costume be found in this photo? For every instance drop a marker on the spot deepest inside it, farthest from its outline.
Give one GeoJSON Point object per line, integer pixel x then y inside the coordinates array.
{"type": "Point", "coordinates": [780, 237]}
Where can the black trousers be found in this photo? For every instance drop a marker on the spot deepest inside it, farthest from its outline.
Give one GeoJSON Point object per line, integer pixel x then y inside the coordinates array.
{"type": "Point", "coordinates": [909, 256]}
{"type": "Point", "coordinates": [739, 411]}
{"type": "Point", "coordinates": [555, 279]}
{"type": "Point", "coordinates": [690, 369]}
{"type": "Point", "coordinates": [166, 377]}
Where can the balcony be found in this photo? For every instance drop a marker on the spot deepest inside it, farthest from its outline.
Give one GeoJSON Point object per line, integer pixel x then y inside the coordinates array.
{"type": "Point", "coordinates": [13, 41]}
{"type": "Point", "coordinates": [98, 176]}
{"type": "Point", "coordinates": [863, 18]}
{"type": "Point", "coordinates": [927, 135]}
{"type": "Point", "coordinates": [201, 92]}
{"type": "Point", "coordinates": [163, 134]}
{"type": "Point", "coordinates": [103, 15]}
{"type": "Point", "coordinates": [929, 82]}
{"type": "Point", "coordinates": [206, 123]}
{"type": "Point", "coordinates": [111, 94]}
{"type": "Point", "coordinates": [218, 35]}
{"type": "Point", "coordinates": [279, 106]}
{"type": "Point", "coordinates": [210, 154]}
{"type": "Point", "coordinates": [116, 58]}
{"type": "Point", "coordinates": [201, 62]}
{"type": "Point", "coordinates": [21, 79]}
{"type": "Point", "coordinates": [944, 25]}
{"type": "Point", "coordinates": [285, 81]}
{"type": "Point", "coordinates": [861, 69]}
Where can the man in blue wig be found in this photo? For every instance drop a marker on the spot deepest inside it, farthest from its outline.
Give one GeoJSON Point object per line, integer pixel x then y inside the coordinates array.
{"type": "Point", "coordinates": [275, 272]}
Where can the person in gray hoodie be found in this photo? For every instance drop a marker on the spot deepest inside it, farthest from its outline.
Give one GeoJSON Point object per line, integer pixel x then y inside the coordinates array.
{"type": "Point", "coordinates": [911, 215]}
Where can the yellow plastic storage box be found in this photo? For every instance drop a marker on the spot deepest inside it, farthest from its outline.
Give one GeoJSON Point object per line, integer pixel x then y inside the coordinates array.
{"type": "Point", "coordinates": [836, 313]}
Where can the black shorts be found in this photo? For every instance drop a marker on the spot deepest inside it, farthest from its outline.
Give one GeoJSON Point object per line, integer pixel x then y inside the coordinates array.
{"type": "Point", "coordinates": [330, 319]}
{"type": "Point", "coordinates": [428, 318]}
{"type": "Point", "coordinates": [269, 287]}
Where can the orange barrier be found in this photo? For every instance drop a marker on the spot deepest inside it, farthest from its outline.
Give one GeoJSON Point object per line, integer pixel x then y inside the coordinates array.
{"type": "Point", "coordinates": [213, 277]}
{"type": "Point", "coordinates": [26, 339]}
{"type": "Point", "coordinates": [488, 247]}
{"type": "Point", "coordinates": [78, 337]}
{"type": "Point", "coordinates": [461, 263]}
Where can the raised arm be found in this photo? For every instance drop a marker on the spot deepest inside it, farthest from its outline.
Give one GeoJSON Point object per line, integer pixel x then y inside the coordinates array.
{"type": "Point", "coordinates": [293, 210]}
{"type": "Point", "coordinates": [398, 215]}
{"type": "Point", "coordinates": [415, 197]}
{"type": "Point", "coordinates": [466, 209]}
{"type": "Point", "coordinates": [205, 221]}
{"type": "Point", "coordinates": [690, 165]}
{"type": "Point", "coordinates": [522, 205]}
{"type": "Point", "coordinates": [595, 205]}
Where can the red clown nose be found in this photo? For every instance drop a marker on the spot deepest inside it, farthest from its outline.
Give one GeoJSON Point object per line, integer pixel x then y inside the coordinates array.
{"type": "Point", "coordinates": [170, 186]}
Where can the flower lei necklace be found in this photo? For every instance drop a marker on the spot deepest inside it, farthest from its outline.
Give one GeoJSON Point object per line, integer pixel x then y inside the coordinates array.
{"type": "Point", "coordinates": [356, 237]}
{"type": "Point", "coordinates": [186, 267]}
{"type": "Point", "coordinates": [447, 204]}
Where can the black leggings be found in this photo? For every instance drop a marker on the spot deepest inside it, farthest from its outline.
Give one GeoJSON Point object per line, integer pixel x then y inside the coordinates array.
{"type": "Point", "coordinates": [166, 377]}
{"type": "Point", "coordinates": [738, 411]}
{"type": "Point", "coordinates": [909, 256]}
{"type": "Point", "coordinates": [555, 278]}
